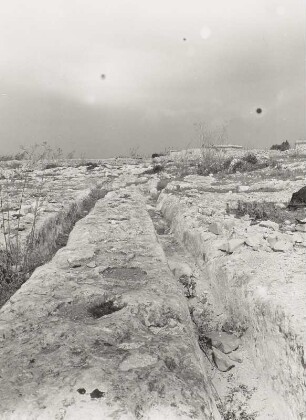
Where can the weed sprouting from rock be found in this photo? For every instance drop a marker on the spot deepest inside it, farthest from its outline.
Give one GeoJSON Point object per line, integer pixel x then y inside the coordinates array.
{"type": "Point", "coordinates": [189, 285]}
{"type": "Point", "coordinates": [235, 325]}
{"type": "Point", "coordinates": [10, 278]}
{"type": "Point", "coordinates": [17, 256]}
{"type": "Point", "coordinates": [235, 404]}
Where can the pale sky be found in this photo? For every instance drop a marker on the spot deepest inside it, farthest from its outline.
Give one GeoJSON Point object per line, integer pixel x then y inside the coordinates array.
{"type": "Point", "coordinates": [168, 64]}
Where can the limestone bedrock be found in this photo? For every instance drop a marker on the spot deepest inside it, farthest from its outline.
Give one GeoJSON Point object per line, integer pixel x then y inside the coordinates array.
{"type": "Point", "coordinates": [103, 330]}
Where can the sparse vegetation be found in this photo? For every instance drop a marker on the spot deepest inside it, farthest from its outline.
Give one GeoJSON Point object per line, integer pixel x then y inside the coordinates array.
{"type": "Point", "coordinates": [204, 323]}
{"type": "Point", "coordinates": [18, 156]}
{"type": "Point", "coordinates": [246, 163]}
{"type": "Point", "coordinates": [17, 257]}
{"type": "Point", "coordinates": [234, 325]}
{"type": "Point", "coordinates": [52, 165]}
{"type": "Point", "coordinates": [211, 160]}
{"type": "Point", "coordinates": [91, 165]}
{"type": "Point", "coordinates": [210, 136]}
{"type": "Point", "coordinates": [189, 285]}
{"type": "Point", "coordinates": [214, 161]}
{"type": "Point", "coordinates": [285, 174]}
{"type": "Point", "coordinates": [235, 404]}
{"type": "Point", "coordinates": [155, 170]}
{"type": "Point", "coordinates": [258, 211]}
{"type": "Point", "coordinates": [155, 155]}
{"type": "Point", "coordinates": [10, 278]}
{"type": "Point", "coordinates": [250, 158]}
{"type": "Point", "coordinates": [134, 153]}
{"type": "Point", "coordinates": [285, 145]}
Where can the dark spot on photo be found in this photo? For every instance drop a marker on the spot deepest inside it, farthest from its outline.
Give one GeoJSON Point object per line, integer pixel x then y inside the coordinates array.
{"type": "Point", "coordinates": [81, 391]}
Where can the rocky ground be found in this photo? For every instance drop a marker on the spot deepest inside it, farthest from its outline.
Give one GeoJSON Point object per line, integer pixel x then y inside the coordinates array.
{"type": "Point", "coordinates": [177, 295]}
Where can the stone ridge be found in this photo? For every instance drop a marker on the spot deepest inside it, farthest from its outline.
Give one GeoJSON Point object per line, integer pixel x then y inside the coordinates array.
{"type": "Point", "coordinates": [103, 330]}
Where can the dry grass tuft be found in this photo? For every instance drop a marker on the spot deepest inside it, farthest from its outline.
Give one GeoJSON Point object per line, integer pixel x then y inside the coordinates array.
{"type": "Point", "coordinates": [258, 211]}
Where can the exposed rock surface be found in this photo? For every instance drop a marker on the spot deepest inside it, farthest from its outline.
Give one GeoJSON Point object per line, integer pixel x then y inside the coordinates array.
{"type": "Point", "coordinates": [231, 245]}
{"type": "Point", "coordinates": [282, 246]}
{"type": "Point", "coordinates": [269, 224]}
{"type": "Point", "coordinates": [261, 284]}
{"type": "Point", "coordinates": [222, 361]}
{"type": "Point", "coordinates": [103, 331]}
{"type": "Point", "coordinates": [215, 228]}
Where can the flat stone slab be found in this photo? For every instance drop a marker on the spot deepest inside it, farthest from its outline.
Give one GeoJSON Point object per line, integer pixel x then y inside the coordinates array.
{"type": "Point", "coordinates": [222, 361]}
{"type": "Point", "coordinates": [223, 341]}
{"type": "Point", "coordinates": [103, 331]}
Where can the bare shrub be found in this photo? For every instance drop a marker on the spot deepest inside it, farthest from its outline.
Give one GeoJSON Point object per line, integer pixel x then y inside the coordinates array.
{"type": "Point", "coordinates": [134, 153]}
{"type": "Point", "coordinates": [285, 145]}
{"type": "Point", "coordinates": [250, 158]}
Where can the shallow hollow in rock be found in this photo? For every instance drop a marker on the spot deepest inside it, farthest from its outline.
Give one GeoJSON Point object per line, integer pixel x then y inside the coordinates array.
{"type": "Point", "coordinates": [106, 307]}
{"type": "Point", "coordinates": [124, 273]}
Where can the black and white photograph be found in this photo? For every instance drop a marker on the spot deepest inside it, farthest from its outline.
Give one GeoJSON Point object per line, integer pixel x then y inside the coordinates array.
{"type": "Point", "coordinates": [152, 210]}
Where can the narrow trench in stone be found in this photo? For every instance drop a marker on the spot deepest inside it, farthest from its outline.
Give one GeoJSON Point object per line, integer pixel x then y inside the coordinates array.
{"type": "Point", "coordinates": [235, 394]}
{"type": "Point", "coordinates": [48, 244]}
{"type": "Point", "coordinates": [72, 219]}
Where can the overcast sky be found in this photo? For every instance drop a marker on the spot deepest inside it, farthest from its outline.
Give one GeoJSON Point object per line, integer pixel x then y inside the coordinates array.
{"type": "Point", "coordinates": [166, 65]}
